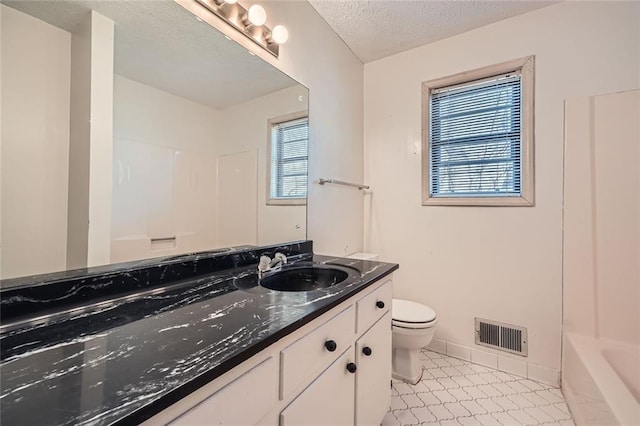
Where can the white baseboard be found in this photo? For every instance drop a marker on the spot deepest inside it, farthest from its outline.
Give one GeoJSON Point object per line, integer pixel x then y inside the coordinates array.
{"type": "Point", "coordinates": [514, 366]}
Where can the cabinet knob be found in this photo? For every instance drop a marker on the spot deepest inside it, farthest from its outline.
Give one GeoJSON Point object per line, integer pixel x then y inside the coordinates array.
{"type": "Point", "coordinates": [380, 304]}
{"type": "Point", "coordinates": [331, 345]}
{"type": "Point", "coordinates": [367, 351]}
{"type": "Point", "coordinates": [351, 367]}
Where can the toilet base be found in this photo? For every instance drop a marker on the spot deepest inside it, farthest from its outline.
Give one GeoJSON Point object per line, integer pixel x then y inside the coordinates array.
{"type": "Point", "coordinates": [406, 365]}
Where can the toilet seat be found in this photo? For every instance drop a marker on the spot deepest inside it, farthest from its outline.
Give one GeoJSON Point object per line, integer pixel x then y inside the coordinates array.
{"type": "Point", "coordinates": [414, 325]}
{"type": "Point", "coordinates": [413, 315]}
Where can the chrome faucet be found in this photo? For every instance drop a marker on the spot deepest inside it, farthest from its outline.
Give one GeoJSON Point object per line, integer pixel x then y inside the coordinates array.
{"type": "Point", "coordinates": [268, 264]}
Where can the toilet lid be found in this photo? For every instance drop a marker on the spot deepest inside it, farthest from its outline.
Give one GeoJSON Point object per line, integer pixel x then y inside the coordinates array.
{"type": "Point", "coordinates": [411, 312]}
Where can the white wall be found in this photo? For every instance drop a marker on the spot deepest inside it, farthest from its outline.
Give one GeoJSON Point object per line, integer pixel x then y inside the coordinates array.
{"type": "Point", "coordinates": [90, 143]}
{"type": "Point", "coordinates": [79, 148]}
{"type": "Point", "coordinates": [237, 210]}
{"type": "Point", "coordinates": [317, 58]}
{"type": "Point", "coordinates": [34, 144]}
{"type": "Point", "coordinates": [146, 114]}
{"type": "Point", "coordinates": [101, 119]}
{"type": "Point", "coordinates": [497, 263]}
{"type": "Point", "coordinates": [601, 250]}
{"type": "Point", "coordinates": [249, 130]}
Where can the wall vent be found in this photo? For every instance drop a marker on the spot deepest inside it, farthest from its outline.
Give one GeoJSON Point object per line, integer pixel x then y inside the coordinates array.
{"type": "Point", "coordinates": [501, 336]}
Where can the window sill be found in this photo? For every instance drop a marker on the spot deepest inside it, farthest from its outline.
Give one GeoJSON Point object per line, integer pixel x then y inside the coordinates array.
{"type": "Point", "coordinates": [287, 202]}
{"type": "Point", "coordinates": [478, 201]}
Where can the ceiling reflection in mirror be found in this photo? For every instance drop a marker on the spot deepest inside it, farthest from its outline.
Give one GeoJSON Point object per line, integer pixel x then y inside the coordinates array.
{"type": "Point", "coordinates": [133, 130]}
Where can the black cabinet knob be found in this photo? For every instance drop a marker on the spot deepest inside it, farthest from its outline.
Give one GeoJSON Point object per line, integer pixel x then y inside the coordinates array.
{"type": "Point", "coordinates": [380, 304]}
{"type": "Point", "coordinates": [367, 351]}
{"type": "Point", "coordinates": [331, 345]}
{"type": "Point", "coordinates": [351, 368]}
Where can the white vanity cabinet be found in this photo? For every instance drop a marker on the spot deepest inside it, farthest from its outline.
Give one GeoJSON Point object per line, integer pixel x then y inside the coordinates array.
{"type": "Point", "coordinates": [335, 370]}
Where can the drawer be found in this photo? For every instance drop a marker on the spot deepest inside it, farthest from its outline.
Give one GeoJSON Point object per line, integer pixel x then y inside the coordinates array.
{"type": "Point", "coordinates": [257, 388]}
{"type": "Point", "coordinates": [373, 306]}
{"type": "Point", "coordinates": [302, 361]}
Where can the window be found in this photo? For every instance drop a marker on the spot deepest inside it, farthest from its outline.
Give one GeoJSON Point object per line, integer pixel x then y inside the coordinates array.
{"type": "Point", "coordinates": [288, 152]}
{"type": "Point", "coordinates": [478, 137]}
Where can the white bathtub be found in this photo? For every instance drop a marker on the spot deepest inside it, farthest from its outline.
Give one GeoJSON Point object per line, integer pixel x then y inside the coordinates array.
{"type": "Point", "coordinates": [601, 381]}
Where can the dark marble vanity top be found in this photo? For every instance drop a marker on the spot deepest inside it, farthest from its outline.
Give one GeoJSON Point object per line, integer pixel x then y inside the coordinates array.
{"type": "Point", "coordinates": [118, 346]}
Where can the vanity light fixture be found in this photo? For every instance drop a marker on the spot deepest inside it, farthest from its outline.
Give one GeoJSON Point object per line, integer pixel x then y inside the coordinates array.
{"type": "Point", "coordinates": [279, 35]}
{"type": "Point", "coordinates": [256, 15]}
{"type": "Point", "coordinates": [250, 22]}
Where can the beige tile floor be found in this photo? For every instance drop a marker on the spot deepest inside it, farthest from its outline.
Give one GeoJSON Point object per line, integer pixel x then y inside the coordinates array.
{"type": "Point", "coordinates": [456, 392]}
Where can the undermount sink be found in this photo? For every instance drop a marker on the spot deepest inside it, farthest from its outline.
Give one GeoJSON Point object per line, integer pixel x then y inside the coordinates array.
{"type": "Point", "coordinates": [304, 278]}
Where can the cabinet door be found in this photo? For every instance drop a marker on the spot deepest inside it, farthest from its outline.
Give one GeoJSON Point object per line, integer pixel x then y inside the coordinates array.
{"type": "Point", "coordinates": [328, 401]}
{"type": "Point", "coordinates": [373, 389]}
{"type": "Point", "coordinates": [242, 402]}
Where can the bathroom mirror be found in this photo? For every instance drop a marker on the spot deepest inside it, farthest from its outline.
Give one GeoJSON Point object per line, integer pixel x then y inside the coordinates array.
{"type": "Point", "coordinates": [186, 152]}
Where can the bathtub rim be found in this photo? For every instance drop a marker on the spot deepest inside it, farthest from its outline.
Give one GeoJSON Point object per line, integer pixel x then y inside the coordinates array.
{"type": "Point", "coordinates": [618, 397]}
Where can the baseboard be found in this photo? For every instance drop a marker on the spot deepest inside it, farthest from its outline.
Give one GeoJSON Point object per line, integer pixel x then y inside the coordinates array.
{"type": "Point", "coordinates": [509, 365]}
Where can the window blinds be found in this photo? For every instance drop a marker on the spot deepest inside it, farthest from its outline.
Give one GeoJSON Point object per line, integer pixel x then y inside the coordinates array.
{"type": "Point", "coordinates": [475, 138]}
{"type": "Point", "coordinates": [289, 153]}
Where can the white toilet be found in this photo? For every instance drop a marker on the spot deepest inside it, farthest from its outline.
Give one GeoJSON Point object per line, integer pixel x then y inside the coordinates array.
{"type": "Point", "coordinates": [413, 327]}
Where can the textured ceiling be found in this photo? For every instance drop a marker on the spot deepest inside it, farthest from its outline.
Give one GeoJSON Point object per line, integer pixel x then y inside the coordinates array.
{"type": "Point", "coordinates": [159, 43]}
{"type": "Point", "coordinates": [374, 29]}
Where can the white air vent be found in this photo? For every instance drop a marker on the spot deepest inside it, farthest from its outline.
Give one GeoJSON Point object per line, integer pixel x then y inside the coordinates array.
{"type": "Point", "coordinates": [501, 336]}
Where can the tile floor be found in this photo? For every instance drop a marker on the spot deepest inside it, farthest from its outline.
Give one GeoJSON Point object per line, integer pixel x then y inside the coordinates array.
{"type": "Point", "coordinates": [456, 392]}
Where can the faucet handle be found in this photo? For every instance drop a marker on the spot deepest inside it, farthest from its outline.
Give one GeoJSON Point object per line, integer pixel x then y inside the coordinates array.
{"type": "Point", "coordinates": [264, 264]}
{"type": "Point", "coordinates": [281, 257]}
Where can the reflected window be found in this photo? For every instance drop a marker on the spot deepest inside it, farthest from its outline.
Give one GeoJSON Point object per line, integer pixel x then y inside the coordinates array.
{"type": "Point", "coordinates": [289, 143]}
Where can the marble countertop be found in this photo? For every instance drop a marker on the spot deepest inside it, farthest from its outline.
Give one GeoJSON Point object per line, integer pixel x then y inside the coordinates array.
{"type": "Point", "coordinates": [124, 361]}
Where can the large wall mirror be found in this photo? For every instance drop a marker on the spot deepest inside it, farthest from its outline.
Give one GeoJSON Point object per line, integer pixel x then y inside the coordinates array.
{"type": "Point", "coordinates": [133, 130]}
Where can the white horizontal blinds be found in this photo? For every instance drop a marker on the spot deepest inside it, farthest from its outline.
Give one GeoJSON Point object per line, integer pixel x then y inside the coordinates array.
{"type": "Point", "coordinates": [475, 138]}
{"type": "Point", "coordinates": [289, 159]}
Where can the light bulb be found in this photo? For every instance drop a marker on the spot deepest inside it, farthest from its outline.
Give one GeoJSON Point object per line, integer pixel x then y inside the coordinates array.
{"type": "Point", "coordinates": [257, 15]}
{"type": "Point", "coordinates": [279, 34]}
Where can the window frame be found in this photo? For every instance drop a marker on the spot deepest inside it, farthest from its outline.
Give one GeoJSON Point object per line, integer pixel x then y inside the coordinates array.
{"type": "Point", "coordinates": [526, 198]}
{"type": "Point", "coordinates": [271, 123]}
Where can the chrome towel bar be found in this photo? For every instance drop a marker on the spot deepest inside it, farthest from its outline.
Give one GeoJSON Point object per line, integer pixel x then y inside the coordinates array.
{"type": "Point", "coordinates": [340, 182]}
